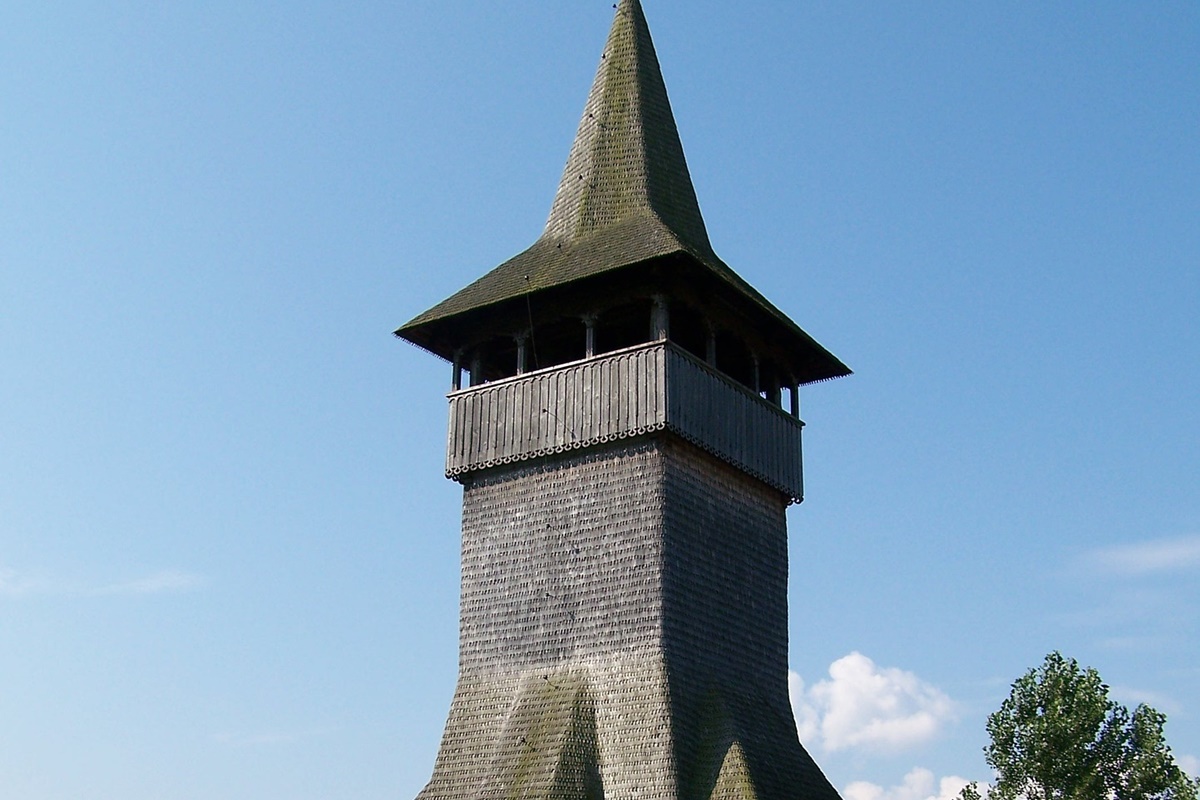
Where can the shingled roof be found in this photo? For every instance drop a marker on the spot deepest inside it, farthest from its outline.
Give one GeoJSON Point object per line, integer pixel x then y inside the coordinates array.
{"type": "Point", "coordinates": [625, 197]}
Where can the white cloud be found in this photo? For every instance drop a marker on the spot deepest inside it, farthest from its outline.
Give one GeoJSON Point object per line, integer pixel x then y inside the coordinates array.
{"type": "Point", "coordinates": [864, 705]}
{"type": "Point", "coordinates": [1189, 764]}
{"type": "Point", "coordinates": [158, 583]}
{"type": "Point", "coordinates": [918, 784]}
{"type": "Point", "coordinates": [808, 718]}
{"type": "Point", "coordinates": [1144, 558]}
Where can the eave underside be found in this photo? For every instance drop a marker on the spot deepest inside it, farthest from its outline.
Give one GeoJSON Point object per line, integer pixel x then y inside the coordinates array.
{"type": "Point", "coordinates": [690, 286]}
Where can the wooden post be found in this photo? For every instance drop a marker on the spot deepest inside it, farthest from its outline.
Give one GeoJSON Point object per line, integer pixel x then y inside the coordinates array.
{"type": "Point", "coordinates": [660, 319]}
{"type": "Point", "coordinates": [456, 380]}
{"type": "Point", "coordinates": [476, 368]}
{"type": "Point", "coordinates": [522, 361]}
{"type": "Point", "coordinates": [773, 388]}
{"type": "Point", "coordinates": [757, 387]}
{"type": "Point", "coordinates": [589, 346]}
{"type": "Point", "coordinates": [795, 392]}
{"type": "Point", "coordinates": [710, 345]}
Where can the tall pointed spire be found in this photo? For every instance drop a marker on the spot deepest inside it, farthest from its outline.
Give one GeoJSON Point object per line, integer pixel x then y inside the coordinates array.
{"type": "Point", "coordinates": [625, 208]}
{"type": "Point", "coordinates": [627, 159]}
{"type": "Point", "coordinates": [625, 196]}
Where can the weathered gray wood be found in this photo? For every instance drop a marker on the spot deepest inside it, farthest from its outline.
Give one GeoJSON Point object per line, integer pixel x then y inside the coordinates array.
{"type": "Point", "coordinates": [644, 389]}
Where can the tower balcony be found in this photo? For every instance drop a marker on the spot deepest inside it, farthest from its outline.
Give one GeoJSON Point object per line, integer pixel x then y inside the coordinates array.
{"type": "Point", "coordinates": [637, 391]}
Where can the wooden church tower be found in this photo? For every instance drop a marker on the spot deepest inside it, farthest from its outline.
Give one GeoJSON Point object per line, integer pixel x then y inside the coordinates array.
{"type": "Point", "coordinates": [626, 457]}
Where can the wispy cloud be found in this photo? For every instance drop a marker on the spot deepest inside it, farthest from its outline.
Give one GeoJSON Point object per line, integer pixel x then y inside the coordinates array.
{"type": "Point", "coordinates": [918, 784]}
{"type": "Point", "coordinates": [1143, 593]}
{"type": "Point", "coordinates": [1189, 764]}
{"type": "Point", "coordinates": [867, 706]}
{"type": "Point", "coordinates": [268, 738]}
{"type": "Point", "coordinates": [1138, 642]}
{"type": "Point", "coordinates": [1145, 604]}
{"type": "Point", "coordinates": [1147, 558]}
{"type": "Point", "coordinates": [1132, 697]}
{"type": "Point", "coordinates": [14, 584]}
{"type": "Point", "coordinates": [163, 582]}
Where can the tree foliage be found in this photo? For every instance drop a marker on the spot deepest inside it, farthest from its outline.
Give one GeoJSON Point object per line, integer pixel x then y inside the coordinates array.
{"type": "Point", "coordinates": [1058, 736]}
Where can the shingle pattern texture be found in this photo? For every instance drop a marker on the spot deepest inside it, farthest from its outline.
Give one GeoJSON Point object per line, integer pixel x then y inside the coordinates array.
{"type": "Point", "coordinates": [623, 633]}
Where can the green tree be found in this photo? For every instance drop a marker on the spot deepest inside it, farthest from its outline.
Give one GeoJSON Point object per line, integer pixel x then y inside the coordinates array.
{"type": "Point", "coordinates": [1058, 736]}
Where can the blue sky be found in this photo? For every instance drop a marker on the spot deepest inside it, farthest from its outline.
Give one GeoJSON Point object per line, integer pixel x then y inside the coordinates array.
{"type": "Point", "coordinates": [228, 557]}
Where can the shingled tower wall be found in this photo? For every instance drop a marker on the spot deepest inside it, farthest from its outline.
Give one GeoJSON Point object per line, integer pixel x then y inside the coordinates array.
{"type": "Point", "coordinates": [624, 632]}
{"type": "Point", "coordinates": [623, 629]}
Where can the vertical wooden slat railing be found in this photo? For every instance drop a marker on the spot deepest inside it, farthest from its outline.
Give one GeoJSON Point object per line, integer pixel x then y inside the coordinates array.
{"type": "Point", "coordinates": [632, 392]}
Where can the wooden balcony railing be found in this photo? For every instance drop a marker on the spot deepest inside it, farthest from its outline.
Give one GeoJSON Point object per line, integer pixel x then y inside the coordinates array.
{"type": "Point", "coordinates": [632, 392]}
